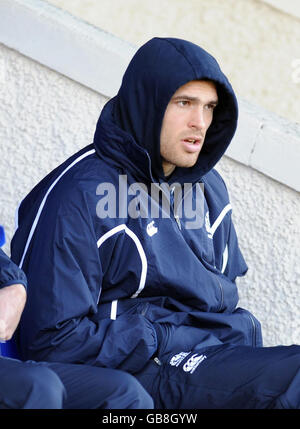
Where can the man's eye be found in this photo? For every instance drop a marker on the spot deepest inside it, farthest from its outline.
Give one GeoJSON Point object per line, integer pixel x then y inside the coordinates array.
{"type": "Point", "coordinates": [183, 103]}
{"type": "Point", "coordinates": [210, 106]}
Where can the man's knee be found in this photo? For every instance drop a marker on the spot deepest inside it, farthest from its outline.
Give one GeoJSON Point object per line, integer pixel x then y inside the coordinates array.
{"type": "Point", "coordinates": [44, 388]}
{"type": "Point", "coordinates": [29, 385]}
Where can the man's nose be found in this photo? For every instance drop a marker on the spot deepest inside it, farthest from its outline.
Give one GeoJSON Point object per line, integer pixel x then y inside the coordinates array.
{"type": "Point", "coordinates": [197, 119]}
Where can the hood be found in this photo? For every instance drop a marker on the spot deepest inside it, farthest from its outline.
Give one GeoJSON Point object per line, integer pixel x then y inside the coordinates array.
{"type": "Point", "coordinates": [133, 118]}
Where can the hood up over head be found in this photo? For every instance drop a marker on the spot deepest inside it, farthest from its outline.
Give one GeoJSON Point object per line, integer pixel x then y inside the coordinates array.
{"type": "Point", "coordinates": [154, 74]}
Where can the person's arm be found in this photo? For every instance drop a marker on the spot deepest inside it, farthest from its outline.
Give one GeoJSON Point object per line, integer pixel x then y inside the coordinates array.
{"type": "Point", "coordinates": [65, 274]}
{"type": "Point", "coordinates": [12, 302]}
{"type": "Point", "coordinates": [12, 296]}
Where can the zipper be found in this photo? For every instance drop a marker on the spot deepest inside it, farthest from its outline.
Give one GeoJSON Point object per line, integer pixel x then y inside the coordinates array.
{"type": "Point", "coordinates": [176, 217]}
{"type": "Point", "coordinates": [177, 221]}
{"type": "Point", "coordinates": [172, 211]}
{"type": "Point", "coordinates": [185, 194]}
{"type": "Point", "coordinates": [157, 361]}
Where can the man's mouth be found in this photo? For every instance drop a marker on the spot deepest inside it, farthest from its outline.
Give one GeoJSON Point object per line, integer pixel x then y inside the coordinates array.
{"type": "Point", "coordinates": [192, 144]}
{"type": "Point", "coordinates": [193, 141]}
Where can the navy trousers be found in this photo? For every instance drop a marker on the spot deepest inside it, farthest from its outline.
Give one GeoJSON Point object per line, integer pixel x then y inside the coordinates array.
{"type": "Point", "coordinates": [225, 377]}
{"type": "Point", "coordinates": [31, 385]}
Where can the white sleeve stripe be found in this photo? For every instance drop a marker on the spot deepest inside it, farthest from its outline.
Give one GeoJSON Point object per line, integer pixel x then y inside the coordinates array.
{"type": "Point", "coordinates": [225, 259]}
{"type": "Point", "coordinates": [139, 247]}
{"type": "Point", "coordinates": [219, 219]}
{"type": "Point", "coordinates": [113, 310]}
{"type": "Point", "coordinates": [33, 227]}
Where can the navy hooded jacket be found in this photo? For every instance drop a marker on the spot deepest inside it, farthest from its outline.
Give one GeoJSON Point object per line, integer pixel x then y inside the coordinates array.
{"type": "Point", "coordinates": [117, 290]}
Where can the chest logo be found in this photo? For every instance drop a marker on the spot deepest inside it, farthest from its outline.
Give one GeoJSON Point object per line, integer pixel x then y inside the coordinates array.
{"type": "Point", "coordinates": [151, 229]}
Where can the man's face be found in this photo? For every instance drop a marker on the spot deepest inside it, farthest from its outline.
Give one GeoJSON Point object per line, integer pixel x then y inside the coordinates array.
{"type": "Point", "coordinates": [186, 120]}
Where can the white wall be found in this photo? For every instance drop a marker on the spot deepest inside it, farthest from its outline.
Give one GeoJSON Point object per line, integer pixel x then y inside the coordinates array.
{"type": "Point", "coordinates": [258, 45]}
{"type": "Point", "coordinates": [267, 218]}
{"type": "Point", "coordinates": [45, 116]}
{"type": "Point", "coordinates": [292, 7]}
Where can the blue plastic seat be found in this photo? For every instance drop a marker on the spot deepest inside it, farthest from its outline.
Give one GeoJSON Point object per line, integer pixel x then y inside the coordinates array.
{"type": "Point", "coordinates": [9, 349]}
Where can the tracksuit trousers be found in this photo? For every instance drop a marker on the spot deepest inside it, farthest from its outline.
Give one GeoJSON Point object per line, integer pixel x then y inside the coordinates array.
{"type": "Point", "coordinates": [215, 377]}
{"type": "Point", "coordinates": [225, 377]}
{"type": "Point", "coordinates": [31, 385]}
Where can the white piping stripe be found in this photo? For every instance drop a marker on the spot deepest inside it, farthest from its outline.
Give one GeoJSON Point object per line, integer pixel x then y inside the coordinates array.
{"type": "Point", "coordinates": [113, 310]}
{"type": "Point", "coordinates": [110, 234]}
{"type": "Point", "coordinates": [139, 248]}
{"type": "Point", "coordinates": [44, 201]}
{"type": "Point", "coordinates": [225, 259]}
{"type": "Point", "coordinates": [219, 219]}
{"type": "Point", "coordinates": [143, 259]}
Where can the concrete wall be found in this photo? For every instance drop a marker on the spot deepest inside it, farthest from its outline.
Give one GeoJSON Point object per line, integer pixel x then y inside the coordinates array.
{"type": "Point", "coordinates": [46, 116]}
{"type": "Point", "coordinates": [258, 45]}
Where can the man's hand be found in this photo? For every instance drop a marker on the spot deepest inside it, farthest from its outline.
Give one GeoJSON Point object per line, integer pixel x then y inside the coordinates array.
{"type": "Point", "coordinates": [12, 302]}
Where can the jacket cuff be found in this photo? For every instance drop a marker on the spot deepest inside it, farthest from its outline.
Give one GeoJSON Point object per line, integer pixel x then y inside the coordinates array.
{"type": "Point", "coordinates": [14, 282]}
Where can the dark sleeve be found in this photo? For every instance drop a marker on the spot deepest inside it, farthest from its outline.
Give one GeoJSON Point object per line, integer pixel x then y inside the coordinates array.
{"type": "Point", "coordinates": [236, 265]}
{"type": "Point", "coordinates": [10, 273]}
{"type": "Point", "coordinates": [229, 257]}
{"type": "Point", "coordinates": [65, 274]}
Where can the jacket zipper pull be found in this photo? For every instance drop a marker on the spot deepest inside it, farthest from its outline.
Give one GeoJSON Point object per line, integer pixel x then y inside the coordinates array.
{"type": "Point", "coordinates": [178, 221]}
{"type": "Point", "coordinates": [172, 203]}
{"type": "Point", "coordinates": [157, 361]}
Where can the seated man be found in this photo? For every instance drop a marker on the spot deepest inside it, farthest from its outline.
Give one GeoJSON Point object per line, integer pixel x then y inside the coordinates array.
{"type": "Point", "coordinates": [132, 264]}
{"type": "Point", "coordinates": [31, 385]}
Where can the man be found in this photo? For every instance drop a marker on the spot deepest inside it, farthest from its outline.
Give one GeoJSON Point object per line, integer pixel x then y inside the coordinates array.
{"type": "Point", "coordinates": [31, 385]}
{"type": "Point", "coordinates": [21, 385]}
{"type": "Point", "coordinates": [125, 272]}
